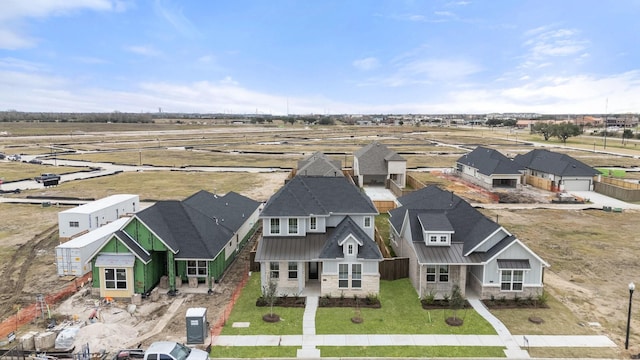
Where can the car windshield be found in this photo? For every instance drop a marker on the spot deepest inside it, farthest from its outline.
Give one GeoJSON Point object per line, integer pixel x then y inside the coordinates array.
{"type": "Point", "coordinates": [180, 352]}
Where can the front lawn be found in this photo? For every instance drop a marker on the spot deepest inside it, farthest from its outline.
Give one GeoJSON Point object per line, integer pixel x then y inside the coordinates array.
{"type": "Point", "coordinates": [401, 313]}
{"type": "Point", "coordinates": [245, 310]}
{"type": "Point", "coordinates": [412, 351]}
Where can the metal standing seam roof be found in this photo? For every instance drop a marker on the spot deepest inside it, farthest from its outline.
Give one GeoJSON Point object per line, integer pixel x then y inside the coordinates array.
{"type": "Point", "coordinates": [514, 264]}
{"type": "Point", "coordinates": [297, 248]}
{"type": "Point", "coordinates": [103, 203]}
{"type": "Point", "coordinates": [452, 254]}
{"type": "Point", "coordinates": [115, 260]}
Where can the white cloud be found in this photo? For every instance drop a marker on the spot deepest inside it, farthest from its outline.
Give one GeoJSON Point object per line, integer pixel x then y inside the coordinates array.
{"type": "Point", "coordinates": [144, 50]}
{"type": "Point", "coordinates": [176, 18]}
{"type": "Point", "coordinates": [15, 12]}
{"type": "Point", "coordinates": [545, 42]}
{"type": "Point", "coordinates": [366, 64]}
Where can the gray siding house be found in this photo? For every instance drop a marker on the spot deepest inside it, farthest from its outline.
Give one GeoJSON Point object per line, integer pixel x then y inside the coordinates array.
{"type": "Point", "coordinates": [564, 172]}
{"type": "Point", "coordinates": [376, 163]}
{"type": "Point", "coordinates": [489, 168]}
{"type": "Point", "coordinates": [448, 242]}
{"type": "Point", "coordinates": [318, 236]}
{"type": "Point", "coordinates": [319, 164]}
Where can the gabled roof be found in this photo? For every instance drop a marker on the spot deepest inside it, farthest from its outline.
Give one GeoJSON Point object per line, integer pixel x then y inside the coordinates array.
{"type": "Point", "coordinates": [373, 158]}
{"type": "Point", "coordinates": [347, 227]}
{"type": "Point", "coordinates": [435, 222]}
{"type": "Point", "coordinates": [232, 209]}
{"type": "Point", "coordinates": [319, 196]}
{"type": "Point", "coordinates": [133, 246]}
{"type": "Point", "coordinates": [200, 226]}
{"type": "Point", "coordinates": [470, 227]}
{"type": "Point", "coordinates": [490, 162]}
{"type": "Point", "coordinates": [550, 162]}
{"type": "Point", "coordinates": [319, 164]}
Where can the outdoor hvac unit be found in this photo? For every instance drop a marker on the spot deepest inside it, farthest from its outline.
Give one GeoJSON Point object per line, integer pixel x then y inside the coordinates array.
{"type": "Point", "coordinates": [197, 326]}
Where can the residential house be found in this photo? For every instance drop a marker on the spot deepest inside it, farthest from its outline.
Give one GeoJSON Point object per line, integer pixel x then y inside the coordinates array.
{"type": "Point", "coordinates": [375, 164]}
{"type": "Point", "coordinates": [194, 240]}
{"type": "Point", "coordinates": [555, 171]}
{"type": "Point", "coordinates": [448, 242]}
{"type": "Point", "coordinates": [319, 164]}
{"type": "Point", "coordinates": [318, 236]}
{"type": "Point", "coordinates": [489, 168]}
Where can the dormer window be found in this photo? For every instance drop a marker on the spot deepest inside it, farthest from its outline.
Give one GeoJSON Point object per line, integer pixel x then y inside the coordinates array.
{"type": "Point", "coordinates": [433, 239]}
{"type": "Point", "coordinates": [350, 249]}
{"type": "Point", "coordinates": [443, 238]}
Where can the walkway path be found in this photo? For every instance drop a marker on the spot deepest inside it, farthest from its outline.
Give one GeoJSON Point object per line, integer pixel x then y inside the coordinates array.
{"type": "Point", "coordinates": [513, 344]}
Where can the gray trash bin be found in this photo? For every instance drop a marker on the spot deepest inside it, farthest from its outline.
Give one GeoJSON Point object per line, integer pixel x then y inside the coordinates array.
{"type": "Point", "coordinates": [197, 325]}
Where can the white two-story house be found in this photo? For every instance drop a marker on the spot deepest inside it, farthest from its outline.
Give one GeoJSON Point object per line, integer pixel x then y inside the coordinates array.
{"type": "Point", "coordinates": [318, 237]}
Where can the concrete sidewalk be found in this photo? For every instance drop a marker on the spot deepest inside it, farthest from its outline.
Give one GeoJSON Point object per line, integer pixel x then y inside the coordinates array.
{"type": "Point", "coordinates": [413, 340]}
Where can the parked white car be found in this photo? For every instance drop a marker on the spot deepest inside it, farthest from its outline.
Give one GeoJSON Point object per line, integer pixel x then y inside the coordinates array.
{"type": "Point", "coordinates": [170, 350]}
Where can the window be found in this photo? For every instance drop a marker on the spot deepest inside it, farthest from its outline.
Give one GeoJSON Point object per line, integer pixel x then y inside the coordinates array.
{"type": "Point", "coordinates": [350, 249]}
{"type": "Point", "coordinates": [431, 273]}
{"type": "Point", "coordinates": [343, 276]}
{"type": "Point", "coordinates": [444, 273]}
{"type": "Point", "coordinates": [293, 270]}
{"type": "Point", "coordinates": [433, 238]}
{"type": "Point", "coordinates": [74, 224]}
{"type": "Point", "coordinates": [356, 275]}
{"type": "Point", "coordinates": [443, 238]}
{"type": "Point", "coordinates": [313, 224]}
{"type": "Point", "coordinates": [511, 280]}
{"type": "Point", "coordinates": [275, 270]}
{"type": "Point", "coordinates": [274, 226]}
{"type": "Point", "coordinates": [197, 268]}
{"type": "Point", "coordinates": [437, 272]}
{"type": "Point", "coordinates": [367, 221]}
{"type": "Point", "coordinates": [115, 279]}
{"type": "Point", "coordinates": [293, 226]}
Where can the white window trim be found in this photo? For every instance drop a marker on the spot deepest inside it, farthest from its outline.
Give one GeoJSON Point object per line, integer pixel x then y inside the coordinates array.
{"type": "Point", "coordinates": [274, 230]}
{"type": "Point", "coordinates": [511, 282]}
{"type": "Point", "coordinates": [289, 271]}
{"type": "Point", "coordinates": [313, 223]}
{"type": "Point", "coordinates": [274, 269]}
{"type": "Point", "coordinates": [367, 219]}
{"type": "Point", "coordinates": [197, 267]}
{"type": "Point", "coordinates": [349, 276]}
{"type": "Point", "coordinates": [437, 274]}
{"type": "Point", "coordinates": [290, 227]}
{"type": "Point", "coordinates": [115, 281]}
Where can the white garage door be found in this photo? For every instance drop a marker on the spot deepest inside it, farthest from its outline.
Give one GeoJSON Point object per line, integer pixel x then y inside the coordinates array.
{"type": "Point", "coordinates": [576, 185]}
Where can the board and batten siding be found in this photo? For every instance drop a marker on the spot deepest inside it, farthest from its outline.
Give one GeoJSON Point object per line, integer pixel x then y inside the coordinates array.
{"type": "Point", "coordinates": [515, 251]}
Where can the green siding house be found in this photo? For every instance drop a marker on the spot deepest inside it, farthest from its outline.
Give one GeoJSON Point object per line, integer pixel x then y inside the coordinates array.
{"type": "Point", "coordinates": [193, 239]}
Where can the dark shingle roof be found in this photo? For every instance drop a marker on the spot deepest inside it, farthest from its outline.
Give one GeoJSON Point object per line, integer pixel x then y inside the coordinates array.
{"type": "Point", "coordinates": [372, 158]}
{"type": "Point", "coordinates": [232, 209]}
{"type": "Point", "coordinates": [490, 162]}
{"type": "Point", "coordinates": [318, 195]}
{"type": "Point", "coordinates": [469, 225]}
{"type": "Point", "coordinates": [331, 250]}
{"type": "Point", "coordinates": [200, 226]}
{"type": "Point", "coordinates": [319, 164]}
{"type": "Point", "coordinates": [550, 162]}
{"type": "Point", "coordinates": [141, 253]}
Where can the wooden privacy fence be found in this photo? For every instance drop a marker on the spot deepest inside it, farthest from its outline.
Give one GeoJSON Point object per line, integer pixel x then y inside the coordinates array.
{"type": "Point", "coordinates": [538, 182]}
{"type": "Point", "coordinates": [621, 183]}
{"type": "Point", "coordinates": [384, 206]}
{"type": "Point", "coordinates": [394, 268]}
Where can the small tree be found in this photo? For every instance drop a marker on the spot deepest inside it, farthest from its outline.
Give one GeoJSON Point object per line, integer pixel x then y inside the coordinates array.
{"type": "Point", "coordinates": [456, 302]}
{"type": "Point", "coordinates": [270, 295]}
{"type": "Point", "coordinates": [565, 130]}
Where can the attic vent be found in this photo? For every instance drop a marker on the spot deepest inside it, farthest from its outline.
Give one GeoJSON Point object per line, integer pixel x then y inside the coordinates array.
{"type": "Point", "coordinates": [226, 204]}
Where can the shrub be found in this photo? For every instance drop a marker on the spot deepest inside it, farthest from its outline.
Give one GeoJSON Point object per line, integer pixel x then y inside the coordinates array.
{"type": "Point", "coordinates": [542, 298]}
{"type": "Point", "coordinates": [446, 297]}
{"type": "Point", "coordinates": [429, 298]}
{"type": "Point", "coordinates": [372, 299]}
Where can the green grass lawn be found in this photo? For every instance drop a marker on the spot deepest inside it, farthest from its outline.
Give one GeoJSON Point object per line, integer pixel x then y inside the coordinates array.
{"type": "Point", "coordinates": [411, 351]}
{"type": "Point", "coordinates": [618, 173]}
{"type": "Point", "coordinates": [401, 313]}
{"type": "Point", "coordinates": [253, 352]}
{"type": "Point", "coordinates": [245, 310]}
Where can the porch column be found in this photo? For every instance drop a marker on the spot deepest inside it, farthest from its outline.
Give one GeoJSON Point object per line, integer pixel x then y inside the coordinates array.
{"type": "Point", "coordinates": [301, 276]}
{"type": "Point", "coordinates": [209, 272]}
{"type": "Point", "coordinates": [171, 271]}
{"type": "Point", "coordinates": [463, 280]}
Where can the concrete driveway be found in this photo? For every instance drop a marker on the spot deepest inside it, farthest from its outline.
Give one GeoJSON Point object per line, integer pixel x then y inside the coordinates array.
{"type": "Point", "coordinates": [603, 200]}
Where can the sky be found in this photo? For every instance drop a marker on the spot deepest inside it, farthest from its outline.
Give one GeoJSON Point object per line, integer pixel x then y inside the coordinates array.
{"type": "Point", "coordinates": [320, 57]}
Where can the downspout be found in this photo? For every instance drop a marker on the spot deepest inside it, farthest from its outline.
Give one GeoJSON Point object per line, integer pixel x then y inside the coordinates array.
{"type": "Point", "coordinates": [420, 281]}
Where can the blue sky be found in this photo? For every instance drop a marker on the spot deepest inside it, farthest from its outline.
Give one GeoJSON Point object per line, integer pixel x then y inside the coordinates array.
{"type": "Point", "coordinates": [321, 57]}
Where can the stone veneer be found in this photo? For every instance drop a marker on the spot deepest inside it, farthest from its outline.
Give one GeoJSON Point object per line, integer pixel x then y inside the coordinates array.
{"type": "Point", "coordinates": [370, 285]}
